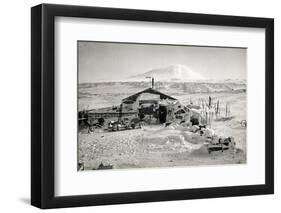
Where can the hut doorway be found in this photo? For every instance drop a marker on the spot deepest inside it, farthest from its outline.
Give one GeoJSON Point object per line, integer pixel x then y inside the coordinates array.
{"type": "Point", "coordinates": [162, 114]}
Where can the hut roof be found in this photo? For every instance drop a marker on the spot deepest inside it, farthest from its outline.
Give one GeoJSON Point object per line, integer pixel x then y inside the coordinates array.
{"type": "Point", "coordinates": [149, 90]}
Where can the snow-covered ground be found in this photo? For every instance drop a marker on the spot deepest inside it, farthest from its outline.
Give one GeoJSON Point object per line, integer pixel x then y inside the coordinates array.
{"type": "Point", "coordinates": [156, 146]}
{"type": "Point", "coordinates": [106, 94]}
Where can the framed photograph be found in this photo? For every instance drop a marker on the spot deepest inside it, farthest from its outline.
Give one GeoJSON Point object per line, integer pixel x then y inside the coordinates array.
{"type": "Point", "coordinates": [136, 106]}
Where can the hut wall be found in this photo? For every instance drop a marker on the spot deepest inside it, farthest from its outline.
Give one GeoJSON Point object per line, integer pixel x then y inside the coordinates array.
{"type": "Point", "coordinates": [131, 106]}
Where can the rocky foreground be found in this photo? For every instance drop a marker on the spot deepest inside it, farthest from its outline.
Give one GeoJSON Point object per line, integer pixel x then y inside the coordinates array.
{"type": "Point", "coordinates": [152, 146]}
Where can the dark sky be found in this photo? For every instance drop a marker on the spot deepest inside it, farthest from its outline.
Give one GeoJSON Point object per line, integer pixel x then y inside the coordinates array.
{"type": "Point", "coordinates": [100, 61]}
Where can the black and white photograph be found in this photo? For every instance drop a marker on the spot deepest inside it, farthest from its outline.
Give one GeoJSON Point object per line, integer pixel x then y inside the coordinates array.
{"type": "Point", "coordinates": [143, 105]}
{"type": "Point", "coordinates": [140, 106]}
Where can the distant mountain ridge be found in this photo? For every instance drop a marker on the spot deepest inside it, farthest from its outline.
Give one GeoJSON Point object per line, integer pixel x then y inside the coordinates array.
{"type": "Point", "coordinates": [172, 88]}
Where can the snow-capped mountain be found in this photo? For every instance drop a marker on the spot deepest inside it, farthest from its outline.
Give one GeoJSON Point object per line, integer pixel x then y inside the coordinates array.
{"type": "Point", "coordinates": [177, 73]}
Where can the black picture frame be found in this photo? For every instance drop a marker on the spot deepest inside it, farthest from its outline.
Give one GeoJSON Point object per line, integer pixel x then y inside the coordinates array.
{"type": "Point", "coordinates": [43, 105]}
